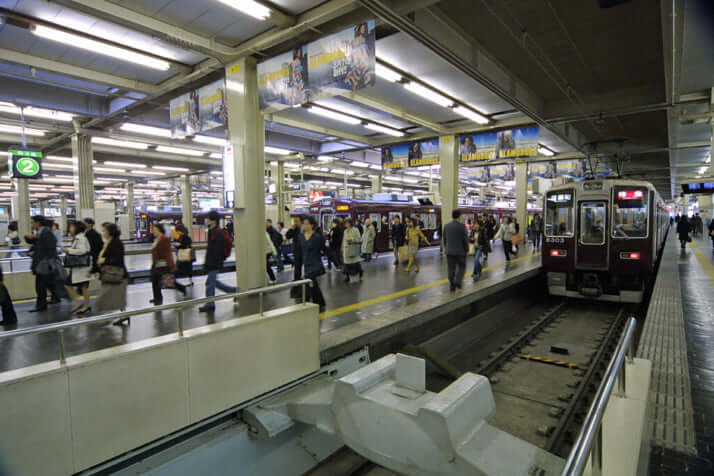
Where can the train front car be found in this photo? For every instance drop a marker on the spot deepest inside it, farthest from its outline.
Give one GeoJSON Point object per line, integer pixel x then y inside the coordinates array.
{"type": "Point", "coordinates": [601, 239]}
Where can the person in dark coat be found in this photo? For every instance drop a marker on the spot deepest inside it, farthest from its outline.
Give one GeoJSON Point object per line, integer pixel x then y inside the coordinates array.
{"type": "Point", "coordinates": [293, 235]}
{"type": "Point", "coordinates": [215, 256]}
{"type": "Point", "coordinates": [397, 234]}
{"type": "Point", "coordinates": [95, 243]}
{"type": "Point", "coordinates": [184, 242]}
{"type": "Point", "coordinates": [112, 295]}
{"type": "Point", "coordinates": [334, 250]}
{"type": "Point", "coordinates": [683, 230]}
{"type": "Point", "coordinates": [456, 244]}
{"type": "Point", "coordinates": [44, 253]}
{"type": "Point", "coordinates": [277, 240]}
{"type": "Point", "coordinates": [313, 243]}
{"type": "Point", "coordinates": [9, 318]}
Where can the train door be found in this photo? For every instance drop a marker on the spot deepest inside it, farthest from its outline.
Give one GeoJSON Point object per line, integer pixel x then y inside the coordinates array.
{"type": "Point", "coordinates": [326, 220]}
{"type": "Point", "coordinates": [592, 251]}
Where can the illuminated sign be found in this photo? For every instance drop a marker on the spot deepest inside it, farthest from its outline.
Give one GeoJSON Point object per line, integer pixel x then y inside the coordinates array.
{"type": "Point", "coordinates": [630, 195]}
{"type": "Point", "coordinates": [342, 208]}
{"type": "Point", "coordinates": [25, 163]}
{"type": "Point", "coordinates": [698, 187]}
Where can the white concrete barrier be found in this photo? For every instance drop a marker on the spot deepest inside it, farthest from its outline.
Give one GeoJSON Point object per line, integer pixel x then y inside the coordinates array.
{"type": "Point", "coordinates": [21, 285]}
{"type": "Point", "coordinates": [58, 420]}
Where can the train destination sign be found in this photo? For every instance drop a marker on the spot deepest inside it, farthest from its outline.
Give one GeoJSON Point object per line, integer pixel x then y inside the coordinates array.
{"type": "Point", "coordinates": [25, 163]}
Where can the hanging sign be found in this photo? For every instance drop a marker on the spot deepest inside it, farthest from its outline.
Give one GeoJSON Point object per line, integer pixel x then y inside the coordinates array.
{"type": "Point", "coordinates": [183, 115]}
{"type": "Point", "coordinates": [413, 154]}
{"type": "Point", "coordinates": [547, 169]}
{"type": "Point", "coordinates": [283, 80]}
{"type": "Point", "coordinates": [199, 110]}
{"type": "Point", "coordinates": [508, 144]}
{"type": "Point", "coordinates": [24, 163]}
{"type": "Point", "coordinates": [212, 105]}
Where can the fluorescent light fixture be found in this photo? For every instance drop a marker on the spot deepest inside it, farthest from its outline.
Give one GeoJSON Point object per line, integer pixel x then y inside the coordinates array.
{"type": "Point", "coordinates": [108, 170]}
{"type": "Point", "coordinates": [125, 164]}
{"type": "Point", "coordinates": [361, 165]}
{"type": "Point", "coordinates": [119, 143]}
{"type": "Point", "coordinates": [146, 172]}
{"type": "Point", "coordinates": [216, 155]}
{"type": "Point", "coordinates": [36, 112]}
{"type": "Point", "coordinates": [708, 159]}
{"type": "Point", "coordinates": [249, 7]}
{"type": "Point", "coordinates": [385, 130]}
{"type": "Point", "coordinates": [414, 172]}
{"type": "Point", "coordinates": [58, 179]}
{"type": "Point", "coordinates": [471, 114]}
{"type": "Point", "coordinates": [325, 158]}
{"type": "Point", "coordinates": [291, 165]}
{"type": "Point", "coordinates": [59, 158]}
{"type": "Point", "coordinates": [148, 130]}
{"type": "Point", "coordinates": [173, 169]}
{"type": "Point", "coordinates": [18, 130]}
{"type": "Point", "coordinates": [210, 140]}
{"type": "Point", "coordinates": [375, 167]}
{"type": "Point", "coordinates": [337, 116]}
{"type": "Point", "coordinates": [100, 47]}
{"type": "Point", "coordinates": [216, 172]}
{"type": "Point", "coordinates": [276, 150]}
{"type": "Point", "coordinates": [545, 151]}
{"type": "Point", "coordinates": [410, 180]}
{"type": "Point", "coordinates": [342, 171]}
{"type": "Point", "coordinates": [387, 73]}
{"type": "Point", "coordinates": [179, 150]}
{"type": "Point", "coordinates": [428, 94]}
{"type": "Point", "coordinates": [324, 169]}
{"type": "Point", "coordinates": [52, 166]}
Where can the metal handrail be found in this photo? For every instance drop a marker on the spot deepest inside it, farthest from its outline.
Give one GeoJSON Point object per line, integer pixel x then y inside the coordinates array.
{"type": "Point", "coordinates": [589, 439]}
{"type": "Point", "coordinates": [61, 327]}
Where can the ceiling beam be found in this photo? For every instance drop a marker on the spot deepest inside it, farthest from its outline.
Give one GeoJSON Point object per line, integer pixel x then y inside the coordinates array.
{"type": "Point", "coordinates": [307, 126]}
{"type": "Point", "coordinates": [364, 98]}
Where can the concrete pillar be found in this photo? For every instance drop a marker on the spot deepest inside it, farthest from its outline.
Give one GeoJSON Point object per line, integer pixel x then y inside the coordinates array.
{"type": "Point", "coordinates": [130, 209]}
{"type": "Point", "coordinates": [21, 206]}
{"type": "Point", "coordinates": [277, 172]}
{"type": "Point", "coordinates": [41, 207]}
{"type": "Point", "coordinates": [345, 190]}
{"type": "Point", "coordinates": [705, 208]}
{"type": "Point", "coordinates": [246, 135]}
{"type": "Point", "coordinates": [83, 175]}
{"type": "Point", "coordinates": [63, 215]}
{"type": "Point", "coordinates": [187, 204]}
{"type": "Point", "coordinates": [522, 196]}
{"type": "Point", "coordinates": [449, 159]}
{"type": "Point", "coordinates": [376, 184]}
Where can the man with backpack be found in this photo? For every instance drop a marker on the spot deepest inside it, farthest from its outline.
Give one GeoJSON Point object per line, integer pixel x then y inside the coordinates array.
{"type": "Point", "coordinates": [219, 248]}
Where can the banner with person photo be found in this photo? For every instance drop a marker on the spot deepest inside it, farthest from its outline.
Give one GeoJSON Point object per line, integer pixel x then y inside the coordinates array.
{"type": "Point", "coordinates": [548, 169]}
{"type": "Point", "coordinates": [212, 105]}
{"type": "Point", "coordinates": [507, 144]}
{"type": "Point", "coordinates": [412, 154]}
{"type": "Point", "coordinates": [183, 115]}
{"type": "Point", "coordinates": [283, 80]}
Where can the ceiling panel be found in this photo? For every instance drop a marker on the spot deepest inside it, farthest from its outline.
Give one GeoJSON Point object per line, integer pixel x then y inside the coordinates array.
{"type": "Point", "coordinates": [345, 105]}
{"type": "Point", "coordinates": [302, 114]}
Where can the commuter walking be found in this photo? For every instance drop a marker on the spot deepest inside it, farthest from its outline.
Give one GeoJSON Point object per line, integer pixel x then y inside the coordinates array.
{"type": "Point", "coordinates": [334, 248]}
{"type": "Point", "coordinates": [9, 318]}
{"type": "Point", "coordinates": [368, 238]}
{"type": "Point", "coordinates": [269, 251]}
{"type": "Point", "coordinates": [184, 253]}
{"type": "Point", "coordinates": [505, 232]}
{"type": "Point", "coordinates": [414, 237]}
{"type": "Point", "coordinates": [95, 242]}
{"type": "Point", "coordinates": [78, 262]}
{"type": "Point", "coordinates": [113, 275]}
{"type": "Point", "coordinates": [698, 224]}
{"type": "Point", "coordinates": [277, 240]}
{"type": "Point", "coordinates": [216, 252]}
{"type": "Point", "coordinates": [351, 249]}
{"type": "Point", "coordinates": [397, 235]}
{"type": "Point", "coordinates": [683, 230]}
{"type": "Point", "coordinates": [293, 235]}
{"type": "Point", "coordinates": [163, 265]}
{"type": "Point", "coordinates": [12, 238]}
{"type": "Point", "coordinates": [481, 245]}
{"type": "Point", "coordinates": [516, 238]}
{"type": "Point", "coordinates": [284, 249]}
{"type": "Point", "coordinates": [312, 244]}
{"type": "Point", "coordinates": [45, 265]}
{"type": "Point", "coordinates": [456, 244]}
{"type": "Point", "coordinates": [537, 231]}
{"type": "Point", "coordinates": [57, 232]}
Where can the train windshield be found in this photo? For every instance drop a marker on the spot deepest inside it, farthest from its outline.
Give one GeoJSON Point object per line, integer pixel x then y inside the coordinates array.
{"type": "Point", "coordinates": [559, 219]}
{"type": "Point", "coordinates": [629, 212]}
{"type": "Point", "coordinates": [592, 223]}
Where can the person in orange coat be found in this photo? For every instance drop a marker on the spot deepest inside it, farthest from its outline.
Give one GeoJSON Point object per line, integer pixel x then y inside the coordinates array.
{"type": "Point", "coordinates": [162, 262]}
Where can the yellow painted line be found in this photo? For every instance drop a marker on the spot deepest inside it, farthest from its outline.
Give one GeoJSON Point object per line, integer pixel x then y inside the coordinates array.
{"type": "Point", "coordinates": [405, 292]}
{"type": "Point", "coordinates": [707, 266]}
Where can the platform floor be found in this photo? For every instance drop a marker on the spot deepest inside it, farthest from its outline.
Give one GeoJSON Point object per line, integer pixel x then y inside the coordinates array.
{"type": "Point", "coordinates": [682, 408]}
{"type": "Point", "coordinates": [384, 287]}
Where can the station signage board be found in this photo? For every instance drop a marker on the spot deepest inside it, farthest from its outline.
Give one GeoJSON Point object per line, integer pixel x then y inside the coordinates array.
{"type": "Point", "coordinates": [705, 187]}
{"type": "Point", "coordinates": [24, 163]}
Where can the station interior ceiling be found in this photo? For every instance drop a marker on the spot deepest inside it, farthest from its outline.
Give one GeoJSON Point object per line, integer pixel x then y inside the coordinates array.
{"type": "Point", "coordinates": [630, 85]}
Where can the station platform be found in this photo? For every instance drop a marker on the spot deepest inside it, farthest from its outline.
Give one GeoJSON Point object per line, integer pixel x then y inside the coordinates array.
{"type": "Point", "coordinates": [677, 337]}
{"type": "Point", "coordinates": [357, 314]}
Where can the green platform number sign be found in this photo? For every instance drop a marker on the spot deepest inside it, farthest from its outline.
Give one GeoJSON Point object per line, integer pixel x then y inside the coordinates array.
{"type": "Point", "coordinates": [26, 163]}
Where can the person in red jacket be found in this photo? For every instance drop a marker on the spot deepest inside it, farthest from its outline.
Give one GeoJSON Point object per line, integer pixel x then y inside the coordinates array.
{"type": "Point", "coordinates": [162, 261]}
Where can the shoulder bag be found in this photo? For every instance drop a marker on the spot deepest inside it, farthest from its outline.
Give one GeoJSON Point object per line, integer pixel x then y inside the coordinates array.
{"type": "Point", "coordinates": [185, 255]}
{"type": "Point", "coordinates": [77, 261]}
{"type": "Point", "coordinates": [110, 274]}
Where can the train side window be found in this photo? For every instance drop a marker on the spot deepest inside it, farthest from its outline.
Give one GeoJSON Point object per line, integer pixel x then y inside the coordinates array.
{"type": "Point", "coordinates": [559, 220]}
{"type": "Point", "coordinates": [629, 212]}
{"type": "Point", "coordinates": [592, 223]}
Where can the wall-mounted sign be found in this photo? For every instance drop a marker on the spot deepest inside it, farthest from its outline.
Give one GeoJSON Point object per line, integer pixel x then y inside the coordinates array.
{"type": "Point", "coordinates": [508, 144]}
{"type": "Point", "coordinates": [24, 163]}
{"type": "Point", "coordinates": [413, 154]}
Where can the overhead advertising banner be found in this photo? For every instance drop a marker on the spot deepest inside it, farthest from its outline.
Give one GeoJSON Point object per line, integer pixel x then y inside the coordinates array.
{"type": "Point", "coordinates": [343, 61]}
{"type": "Point", "coordinates": [574, 169]}
{"type": "Point", "coordinates": [413, 154]}
{"type": "Point", "coordinates": [547, 169]}
{"type": "Point", "coordinates": [183, 115]}
{"type": "Point", "coordinates": [508, 144]}
{"type": "Point", "coordinates": [505, 172]}
{"type": "Point", "coordinates": [283, 80]}
{"type": "Point", "coordinates": [212, 105]}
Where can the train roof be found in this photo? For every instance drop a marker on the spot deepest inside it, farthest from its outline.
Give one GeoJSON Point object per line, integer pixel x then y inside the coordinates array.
{"type": "Point", "coordinates": [609, 182]}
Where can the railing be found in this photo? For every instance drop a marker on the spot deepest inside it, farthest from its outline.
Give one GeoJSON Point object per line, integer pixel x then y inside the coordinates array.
{"type": "Point", "coordinates": [61, 327]}
{"type": "Point", "coordinates": [589, 441]}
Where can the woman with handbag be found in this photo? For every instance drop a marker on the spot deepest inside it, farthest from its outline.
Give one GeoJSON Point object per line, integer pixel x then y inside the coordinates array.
{"type": "Point", "coordinates": [78, 262]}
{"type": "Point", "coordinates": [162, 264]}
{"type": "Point", "coordinates": [351, 248]}
{"type": "Point", "coordinates": [414, 237]}
{"type": "Point", "coordinates": [184, 253]}
{"type": "Point", "coordinates": [112, 272]}
{"type": "Point", "coordinates": [312, 244]}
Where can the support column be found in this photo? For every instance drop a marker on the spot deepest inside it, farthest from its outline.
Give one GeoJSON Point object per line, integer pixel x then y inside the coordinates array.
{"type": "Point", "coordinates": [41, 206]}
{"type": "Point", "coordinates": [246, 135]}
{"type": "Point", "coordinates": [63, 215]}
{"type": "Point", "coordinates": [277, 172]}
{"type": "Point", "coordinates": [376, 184]}
{"type": "Point", "coordinates": [83, 175]}
{"type": "Point", "coordinates": [346, 190]}
{"type": "Point", "coordinates": [21, 206]}
{"type": "Point", "coordinates": [187, 204]}
{"type": "Point", "coordinates": [449, 188]}
{"type": "Point", "coordinates": [522, 196]}
{"type": "Point", "coordinates": [130, 209]}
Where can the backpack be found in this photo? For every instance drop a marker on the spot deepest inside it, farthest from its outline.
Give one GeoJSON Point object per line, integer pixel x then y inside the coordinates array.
{"type": "Point", "coordinates": [228, 243]}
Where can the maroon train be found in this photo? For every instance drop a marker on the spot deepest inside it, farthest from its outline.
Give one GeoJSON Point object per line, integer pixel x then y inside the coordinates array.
{"type": "Point", "coordinates": [382, 214]}
{"type": "Point", "coordinates": [602, 238]}
{"type": "Point", "coordinates": [145, 219]}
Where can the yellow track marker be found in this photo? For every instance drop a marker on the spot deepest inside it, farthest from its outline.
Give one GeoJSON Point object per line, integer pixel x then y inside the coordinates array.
{"type": "Point", "coordinates": [559, 363]}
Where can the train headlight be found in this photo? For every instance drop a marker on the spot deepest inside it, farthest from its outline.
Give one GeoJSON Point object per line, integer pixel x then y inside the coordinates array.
{"type": "Point", "coordinates": [558, 253]}
{"type": "Point", "coordinates": [635, 255]}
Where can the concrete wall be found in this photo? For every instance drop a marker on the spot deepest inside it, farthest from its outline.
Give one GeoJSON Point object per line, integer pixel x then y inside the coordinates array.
{"type": "Point", "coordinates": [21, 285]}
{"type": "Point", "coordinates": [59, 420]}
